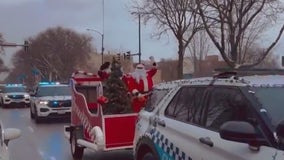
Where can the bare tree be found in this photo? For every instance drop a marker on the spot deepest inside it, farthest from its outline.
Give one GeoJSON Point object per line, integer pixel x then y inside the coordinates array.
{"type": "Point", "coordinates": [270, 61]}
{"type": "Point", "coordinates": [175, 16]}
{"type": "Point", "coordinates": [55, 53]}
{"type": "Point", "coordinates": [235, 25]}
{"type": "Point", "coordinates": [198, 50]}
{"type": "Point", "coordinates": [1, 41]}
{"type": "Point", "coordinates": [3, 68]}
{"type": "Point", "coordinates": [168, 71]}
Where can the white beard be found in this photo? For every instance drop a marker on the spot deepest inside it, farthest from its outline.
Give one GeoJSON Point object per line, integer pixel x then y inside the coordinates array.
{"type": "Point", "coordinates": [139, 75]}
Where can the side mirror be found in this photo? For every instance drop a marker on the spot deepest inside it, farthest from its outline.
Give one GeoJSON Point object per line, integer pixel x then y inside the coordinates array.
{"type": "Point", "coordinates": [10, 134]}
{"type": "Point", "coordinates": [238, 131]}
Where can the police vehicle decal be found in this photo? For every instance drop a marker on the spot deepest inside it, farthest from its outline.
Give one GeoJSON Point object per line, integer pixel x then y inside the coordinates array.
{"type": "Point", "coordinates": [166, 149]}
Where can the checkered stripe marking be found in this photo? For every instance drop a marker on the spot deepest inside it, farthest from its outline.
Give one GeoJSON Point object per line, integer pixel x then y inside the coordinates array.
{"type": "Point", "coordinates": [168, 146]}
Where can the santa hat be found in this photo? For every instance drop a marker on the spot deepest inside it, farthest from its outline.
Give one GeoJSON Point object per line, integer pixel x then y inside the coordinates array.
{"type": "Point", "coordinates": [104, 66]}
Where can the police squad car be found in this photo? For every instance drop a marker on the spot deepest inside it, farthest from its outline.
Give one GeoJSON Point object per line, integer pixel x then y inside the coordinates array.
{"type": "Point", "coordinates": [51, 100]}
{"type": "Point", "coordinates": [215, 118]}
{"type": "Point", "coordinates": [14, 95]}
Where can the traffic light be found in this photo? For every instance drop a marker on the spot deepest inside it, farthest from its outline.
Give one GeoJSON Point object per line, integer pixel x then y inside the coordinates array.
{"type": "Point", "coordinates": [118, 57]}
{"type": "Point", "coordinates": [26, 46]}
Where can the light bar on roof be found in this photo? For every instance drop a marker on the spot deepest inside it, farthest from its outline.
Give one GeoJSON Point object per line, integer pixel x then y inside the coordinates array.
{"type": "Point", "coordinates": [14, 85]}
{"type": "Point", "coordinates": [48, 83]}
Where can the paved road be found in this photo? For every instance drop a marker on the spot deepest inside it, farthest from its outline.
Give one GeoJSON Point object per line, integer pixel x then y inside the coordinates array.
{"type": "Point", "coordinates": [46, 141]}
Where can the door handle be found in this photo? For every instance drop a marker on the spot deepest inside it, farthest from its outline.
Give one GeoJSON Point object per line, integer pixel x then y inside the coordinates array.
{"type": "Point", "coordinates": [207, 141]}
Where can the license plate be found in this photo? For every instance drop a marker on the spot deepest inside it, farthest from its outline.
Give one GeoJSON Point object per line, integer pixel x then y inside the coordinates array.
{"type": "Point", "coordinates": [17, 101]}
{"type": "Point", "coordinates": [61, 112]}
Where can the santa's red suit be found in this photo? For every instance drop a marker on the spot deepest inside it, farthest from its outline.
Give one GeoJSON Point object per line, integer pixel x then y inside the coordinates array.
{"type": "Point", "coordinates": [139, 83]}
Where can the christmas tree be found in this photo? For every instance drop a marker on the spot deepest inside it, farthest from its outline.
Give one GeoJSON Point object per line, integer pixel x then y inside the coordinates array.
{"type": "Point", "coordinates": [116, 92]}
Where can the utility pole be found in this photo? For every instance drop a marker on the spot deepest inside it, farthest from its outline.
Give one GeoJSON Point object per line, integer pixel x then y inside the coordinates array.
{"type": "Point", "coordinates": [139, 36]}
{"type": "Point", "coordinates": [102, 36]}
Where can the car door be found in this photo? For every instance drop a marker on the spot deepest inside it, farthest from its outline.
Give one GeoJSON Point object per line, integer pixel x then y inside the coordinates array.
{"type": "Point", "coordinates": [174, 131]}
{"type": "Point", "coordinates": [226, 104]}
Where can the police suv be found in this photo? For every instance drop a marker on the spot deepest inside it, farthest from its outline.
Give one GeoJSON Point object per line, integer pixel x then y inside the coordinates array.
{"type": "Point", "coordinates": [14, 95]}
{"type": "Point", "coordinates": [50, 100]}
{"type": "Point", "coordinates": [225, 117]}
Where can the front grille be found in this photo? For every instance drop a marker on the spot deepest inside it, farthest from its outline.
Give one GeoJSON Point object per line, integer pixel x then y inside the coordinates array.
{"type": "Point", "coordinates": [56, 104]}
{"type": "Point", "coordinates": [16, 96]}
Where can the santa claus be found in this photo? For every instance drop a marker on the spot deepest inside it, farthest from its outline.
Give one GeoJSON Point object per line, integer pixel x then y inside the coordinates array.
{"type": "Point", "coordinates": [139, 83]}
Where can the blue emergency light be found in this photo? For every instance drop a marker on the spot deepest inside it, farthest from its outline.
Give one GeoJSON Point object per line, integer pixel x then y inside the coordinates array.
{"type": "Point", "coordinates": [48, 83]}
{"type": "Point", "coordinates": [14, 85]}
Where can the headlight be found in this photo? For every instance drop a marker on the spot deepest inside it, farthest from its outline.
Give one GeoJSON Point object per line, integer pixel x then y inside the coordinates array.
{"type": "Point", "coordinates": [27, 96]}
{"type": "Point", "coordinates": [5, 96]}
{"type": "Point", "coordinates": [43, 102]}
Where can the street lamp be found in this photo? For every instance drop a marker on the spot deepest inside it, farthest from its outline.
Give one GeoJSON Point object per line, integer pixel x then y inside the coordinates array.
{"type": "Point", "coordinates": [102, 36]}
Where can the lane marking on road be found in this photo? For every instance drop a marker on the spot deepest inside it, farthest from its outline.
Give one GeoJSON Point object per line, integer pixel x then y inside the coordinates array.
{"type": "Point", "coordinates": [41, 153]}
{"type": "Point", "coordinates": [31, 129]}
{"type": "Point", "coordinates": [52, 158]}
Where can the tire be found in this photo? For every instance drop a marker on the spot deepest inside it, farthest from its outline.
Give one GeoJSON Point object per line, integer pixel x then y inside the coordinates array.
{"type": "Point", "coordinates": [77, 151]}
{"type": "Point", "coordinates": [36, 117]}
{"type": "Point", "coordinates": [148, 156]}
{"type": "Point", "coordinates": [145, 150]}
{"type": "Point", "coordinates": [32, 114]}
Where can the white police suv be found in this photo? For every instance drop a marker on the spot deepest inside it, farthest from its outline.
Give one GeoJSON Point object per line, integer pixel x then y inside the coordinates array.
{"type": "Point", "coordinates": [14, 95]}
{"type": "Point", "coordinates": [51, 100]}
{"type": "Point", "coordinates": [225, 117]}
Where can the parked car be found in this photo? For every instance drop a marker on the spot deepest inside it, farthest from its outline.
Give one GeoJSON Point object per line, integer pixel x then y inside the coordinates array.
{"type": "Point", "coordinates": [50, 100]}
{"type": "Point", "coordinates": [213, 118]}
{"type": "Point", "coordinates": [14, 95]}
{"type": "Point", "coordinates": [7, 134]}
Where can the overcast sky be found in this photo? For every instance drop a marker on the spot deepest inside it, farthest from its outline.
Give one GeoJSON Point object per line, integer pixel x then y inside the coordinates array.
{"type": "Point", "coordinates": [20, 19]}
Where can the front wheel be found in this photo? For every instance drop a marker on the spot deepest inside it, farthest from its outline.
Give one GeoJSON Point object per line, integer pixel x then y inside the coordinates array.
{"type": "Point", "coordinates": [32, 114]}
{"type": "Point", "coordinates": [148, 156]}
{"type": "Point", "coordinates": [36, 117]}
{"type": "Point", "coordinates": [77, 151]}
{"type": "Point", "coordinates": [145, 150]}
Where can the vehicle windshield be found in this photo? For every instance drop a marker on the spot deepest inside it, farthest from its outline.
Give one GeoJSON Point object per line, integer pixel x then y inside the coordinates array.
{"type": "Point", "coordinates": [14, 89]}
{"type": "Point", "coordinates": [272, 99]}
{"type": "Point", "coordinates": [154, 98]}
{"type": "Point", "coordinates": [54, 91]}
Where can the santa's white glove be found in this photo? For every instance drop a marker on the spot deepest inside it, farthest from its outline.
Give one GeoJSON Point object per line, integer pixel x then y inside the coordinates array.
{"type": "Point", "coordinates": [135, 92]}
{"type": "Point", "coordinates": [152, 59]}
